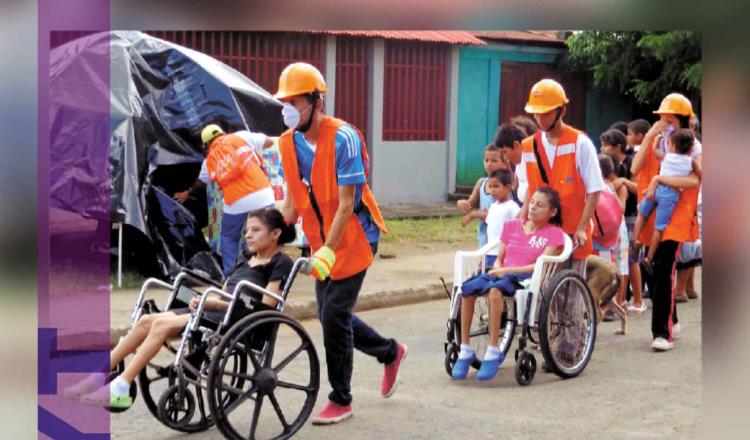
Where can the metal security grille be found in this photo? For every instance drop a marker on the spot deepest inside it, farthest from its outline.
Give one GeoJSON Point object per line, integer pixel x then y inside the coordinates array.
{"type": "Point", "coordinates": [352, 63]}
{"type": "Point", "coordinates": [415, 91]}
{"type": "Point", "coordinates": [261, 56]}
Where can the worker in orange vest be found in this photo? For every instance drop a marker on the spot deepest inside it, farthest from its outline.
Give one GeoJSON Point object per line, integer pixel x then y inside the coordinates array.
{"type": "Point", "coordinates": [565, 159]}
{"type": "Point", "coordinates": [234, 163]}
{"type": "Point", "coordinates": [675, 112]}
{"type": "Point", "coordinates": [325, 165]}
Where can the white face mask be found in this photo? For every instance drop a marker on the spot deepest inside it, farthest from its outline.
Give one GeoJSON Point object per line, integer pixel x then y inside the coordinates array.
{"type": "Point", "coordinates": [291, 115]}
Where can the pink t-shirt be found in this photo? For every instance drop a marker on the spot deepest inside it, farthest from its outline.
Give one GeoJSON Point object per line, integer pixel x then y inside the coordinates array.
{"type": "Point", "coordinates": [522, 249]}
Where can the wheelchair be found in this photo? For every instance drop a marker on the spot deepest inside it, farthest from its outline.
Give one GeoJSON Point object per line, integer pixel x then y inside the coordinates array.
{"type": "Point", "coordinates": [554, 310]}
{"type": "Point", "coordinates": [222, 372]}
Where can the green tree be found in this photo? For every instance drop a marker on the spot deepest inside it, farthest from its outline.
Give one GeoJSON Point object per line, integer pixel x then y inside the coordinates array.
{"type": "Point", "coordinates": [644, 65]}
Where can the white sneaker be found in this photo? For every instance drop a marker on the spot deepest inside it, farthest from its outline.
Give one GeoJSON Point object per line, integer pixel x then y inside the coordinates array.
{"type": "Point", "coordinates": [661, 344]}
{"type": "Point", "coordinates": [676, 330]}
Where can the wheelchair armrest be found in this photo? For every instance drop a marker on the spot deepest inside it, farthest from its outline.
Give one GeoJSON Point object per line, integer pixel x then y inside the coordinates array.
{"type": "Point", "coordinates": [200, 277]}
{"type": "Point", "coordinates": [539, 266]}
{"type": "Point", "coordinates": [562, 257]}
{"type": "Point", "coordinates": [463, 258]}
{"type": "Point", "coordinates": [484, 250]}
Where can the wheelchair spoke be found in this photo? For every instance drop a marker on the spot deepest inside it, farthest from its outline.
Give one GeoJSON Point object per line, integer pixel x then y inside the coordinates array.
{"type": "Point", "coordinates": [256, 416]}
{"type": "Point", "coordinates": [253, 359]}
{"type": "Point", "coordinates": [241, 399]}
{"type": "Point", "coordinates": [277, 408]}
{"type": "Point", "coordinates": [237, 375]}
{"type": "Point", "coordinates": [294, 386]}
{"type": "Point", "coordinates": [280, 366]}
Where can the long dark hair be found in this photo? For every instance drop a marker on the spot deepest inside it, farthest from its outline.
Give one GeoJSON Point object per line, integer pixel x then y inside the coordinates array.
{"type": "Point", "coordinates": [273, 219]}
{"type": "Point", "coordinates": [554, 201]}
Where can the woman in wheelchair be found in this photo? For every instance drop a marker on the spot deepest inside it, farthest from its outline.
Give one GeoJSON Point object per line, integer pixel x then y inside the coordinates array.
{"type": "Point", "coordinates": [263, 264]}
{"type": "Point", "coordinates": [521, 243]}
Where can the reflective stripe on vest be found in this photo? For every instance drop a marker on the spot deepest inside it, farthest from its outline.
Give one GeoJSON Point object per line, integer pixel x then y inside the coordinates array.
{"type": "Point", "coordinates": [353, 253]}
{"type": "Point", "coordinates": [251, 179]}
{"type": "Point", "coordinates": [563, 177]}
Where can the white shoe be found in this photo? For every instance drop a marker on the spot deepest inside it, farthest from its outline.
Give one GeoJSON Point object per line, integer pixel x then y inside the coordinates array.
{"type": "Point", "coordinates": [661, 344]}
{"type": "Point", "coordinates": [676, 330]}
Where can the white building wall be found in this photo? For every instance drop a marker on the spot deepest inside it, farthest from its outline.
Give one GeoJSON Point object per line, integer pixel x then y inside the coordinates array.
{"type": "Point", "coordinates": [409, 171]}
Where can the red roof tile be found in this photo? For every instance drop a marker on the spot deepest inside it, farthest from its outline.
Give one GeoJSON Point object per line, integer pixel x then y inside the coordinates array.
{"type": "Point", "coordinates": [447, 37]}
{"type": "Point", "coordinates": [521, 36]}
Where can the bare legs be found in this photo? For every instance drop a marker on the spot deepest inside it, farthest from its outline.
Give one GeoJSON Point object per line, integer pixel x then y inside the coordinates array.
{"type": "Point", "coordinates": [147, 337]}
{"type": "Point", "coordinates": [467, 314]}
{"type": "Point", "coordinates": [496, 310]}
{"type": "Point", "coordinates": [635, 283]}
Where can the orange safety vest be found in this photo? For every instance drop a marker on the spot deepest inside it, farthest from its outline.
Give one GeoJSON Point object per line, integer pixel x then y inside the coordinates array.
{"type": "Point", "coordinates": [353, 253]}
{"type": "Point", "coordinates": [563, 177]}
{"type": "Point", "coordinates": [684, 224]}
{"type": "Point", "coordinates": [243, 175]}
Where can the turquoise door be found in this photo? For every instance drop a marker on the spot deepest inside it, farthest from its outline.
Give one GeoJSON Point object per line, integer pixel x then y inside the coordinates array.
{"type": "Point", "coordinates": [477, 115]}
{"type": "Point", "coordinates": [479, 101]}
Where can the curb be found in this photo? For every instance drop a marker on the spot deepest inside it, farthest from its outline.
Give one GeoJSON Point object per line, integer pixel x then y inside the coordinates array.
{"type": "Point", "coordinates": [300, 310]}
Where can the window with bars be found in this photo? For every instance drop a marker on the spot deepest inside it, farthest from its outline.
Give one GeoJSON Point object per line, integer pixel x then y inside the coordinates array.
{"type": "Point", "coordinates": [415, 91]}
{"type": "Point", "coordinates": [352, 63]}
{"type": "Point", "coordinates": [261, 56]}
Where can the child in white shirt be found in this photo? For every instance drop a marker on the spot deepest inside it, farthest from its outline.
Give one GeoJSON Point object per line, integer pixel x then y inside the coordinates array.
{"type": "Point", "coordinates": [502, 210]}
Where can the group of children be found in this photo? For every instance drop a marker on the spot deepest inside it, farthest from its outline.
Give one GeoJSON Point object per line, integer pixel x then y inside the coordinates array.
{"type": "Point", "coordinates": [496, 202]}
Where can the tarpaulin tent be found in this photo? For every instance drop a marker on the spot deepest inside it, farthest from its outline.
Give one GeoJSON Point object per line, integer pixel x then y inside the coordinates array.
{"type": "Point", "coordinates": [161, 95]}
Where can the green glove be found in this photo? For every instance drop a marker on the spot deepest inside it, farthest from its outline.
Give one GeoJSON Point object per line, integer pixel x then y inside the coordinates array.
{"type": "Point", "coordinates": [322, 262]}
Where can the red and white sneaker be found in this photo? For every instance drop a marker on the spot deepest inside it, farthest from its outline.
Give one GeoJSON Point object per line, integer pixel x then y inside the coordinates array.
{"type": "Point", "coordinates": [333, 413]}
{"type": "Point", "coordinates": [390, 372]}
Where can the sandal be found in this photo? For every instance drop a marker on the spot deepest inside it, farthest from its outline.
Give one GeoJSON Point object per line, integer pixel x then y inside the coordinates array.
{"type": "Point", "coordinates": [104, 398]}
{"type": "Point", "coordinates": [633, 310]}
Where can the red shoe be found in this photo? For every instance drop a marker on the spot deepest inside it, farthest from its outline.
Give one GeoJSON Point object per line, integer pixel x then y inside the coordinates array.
{"type": "Point", "coordinates": [390, 372]}
{"type": "Point", "coordinates": [333, 413]}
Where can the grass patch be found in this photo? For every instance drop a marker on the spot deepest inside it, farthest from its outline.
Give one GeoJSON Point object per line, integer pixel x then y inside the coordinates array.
{"type": "Point", "coordinates": [429, 230]}
{"type": "Point", "coordinates": [130, 279]}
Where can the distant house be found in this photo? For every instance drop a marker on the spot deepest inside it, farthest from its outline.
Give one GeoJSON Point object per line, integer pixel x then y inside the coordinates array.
{"type": "Point", "coordinates": [493, 85]}
{"type": "Point", "coordinates": [427, 101]}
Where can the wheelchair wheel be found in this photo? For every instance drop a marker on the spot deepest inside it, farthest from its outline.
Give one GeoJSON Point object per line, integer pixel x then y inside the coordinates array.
{"type": "Point", "coordinates": [176, 407]}
{"type": "Point", "coordinates": [567, 324]}
{"type": "Point", "coordinates": [525, 368]}
{"type": "Point", "coordinates": [158, 378]}
{"type": "Point", "coordinates": [133, 388]}
{"type": "Point", "coordinates": [451, 355]}
{"type": "Point", "coordinates": [283, 378]}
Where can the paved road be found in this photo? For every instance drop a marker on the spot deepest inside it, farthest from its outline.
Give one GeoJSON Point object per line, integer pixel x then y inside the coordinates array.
{"type": "Point", "coordinates": [627, 391]}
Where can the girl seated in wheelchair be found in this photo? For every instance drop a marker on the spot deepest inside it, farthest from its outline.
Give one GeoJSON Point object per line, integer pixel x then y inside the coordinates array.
{"type": "Point", "coordinates": [263, 263]}
{"type": "Point", "coordinates": [521, 243]}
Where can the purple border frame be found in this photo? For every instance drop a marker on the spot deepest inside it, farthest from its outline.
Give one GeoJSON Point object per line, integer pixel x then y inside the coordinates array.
{"type": "Point", "coordinates": [73, 274]}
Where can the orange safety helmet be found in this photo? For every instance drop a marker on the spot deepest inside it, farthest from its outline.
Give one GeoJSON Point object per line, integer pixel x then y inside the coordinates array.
{"type": "Point", "coordinates": [545, 96]}
{"type": "Point", "coordinates": [300, 79]}
{"type": "Point", "coordinates": [676, 104]}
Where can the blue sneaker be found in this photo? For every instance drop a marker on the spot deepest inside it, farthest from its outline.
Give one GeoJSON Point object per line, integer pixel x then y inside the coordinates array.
{"type": "Point", "coordinates": [489, 367]}
{"type": "Point", "coordinates": [461, 368]}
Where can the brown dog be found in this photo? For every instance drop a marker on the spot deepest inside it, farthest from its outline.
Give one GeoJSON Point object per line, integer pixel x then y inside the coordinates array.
{"type": "Point", "coordinates": [603, 279]}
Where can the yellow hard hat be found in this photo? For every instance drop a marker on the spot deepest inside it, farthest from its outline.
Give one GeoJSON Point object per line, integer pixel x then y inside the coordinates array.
{"type": "Point", "coordinates": [546, 95]}
{"type": "Point", "coordinates": [210, 132]}
{"type": "Point", "coordinates": [676, 104]}
{"type": "Point", "coordinates": [300, 79]}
